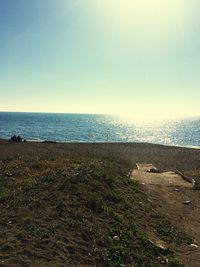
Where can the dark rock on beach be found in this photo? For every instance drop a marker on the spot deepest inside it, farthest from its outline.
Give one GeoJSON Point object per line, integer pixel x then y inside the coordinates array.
{"type": "Point", "coordinates": [15, 139]}
{"type": "Point", "coordinates": [49, 142]}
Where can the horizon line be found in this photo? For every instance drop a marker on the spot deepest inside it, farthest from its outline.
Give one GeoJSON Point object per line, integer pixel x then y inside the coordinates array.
{"type": "Point", "coordinates": [105, 114]}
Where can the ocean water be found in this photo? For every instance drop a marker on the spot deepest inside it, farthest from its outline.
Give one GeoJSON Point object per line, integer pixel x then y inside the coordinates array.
{"type": "Point", "coordinates": [98, 128]}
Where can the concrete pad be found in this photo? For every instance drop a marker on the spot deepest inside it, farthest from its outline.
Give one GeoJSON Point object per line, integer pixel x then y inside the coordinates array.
{"type": "Point", "coordinates": [164, 179]}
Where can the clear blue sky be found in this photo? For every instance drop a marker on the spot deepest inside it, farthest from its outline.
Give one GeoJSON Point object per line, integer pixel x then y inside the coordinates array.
{"type": "Point", "coordinates": [135, 57]}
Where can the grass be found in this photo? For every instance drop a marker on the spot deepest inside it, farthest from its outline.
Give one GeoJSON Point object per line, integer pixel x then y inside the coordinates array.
{"type": "Point", "coordinates": [5, 194]}
{"type": "Point", "coordinates": [127, 246]}
{"type": "Point", "coordinates": [169, 233]}
{"type": "Point", "coordinates": [79, 211]}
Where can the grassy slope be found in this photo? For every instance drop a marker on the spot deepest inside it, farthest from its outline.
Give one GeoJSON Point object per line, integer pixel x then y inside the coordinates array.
{"type": "Point", "coordinates": [78, 212]}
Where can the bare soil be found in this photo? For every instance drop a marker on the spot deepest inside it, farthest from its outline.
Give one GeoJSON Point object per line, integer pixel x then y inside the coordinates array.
{"type": "Point", "coordinates": [172, 203]}
{"type": "Point", "coordinates": [176, 198]}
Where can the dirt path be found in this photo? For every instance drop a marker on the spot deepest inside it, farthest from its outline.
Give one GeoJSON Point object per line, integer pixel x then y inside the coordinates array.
{"type": "Point", "coordinates": [165, 178]}
{"type": "Point", "coordinates": [171, 197]}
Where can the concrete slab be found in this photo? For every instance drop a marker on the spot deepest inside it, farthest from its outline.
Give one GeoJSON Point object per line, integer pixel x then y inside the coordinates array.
{"type": "Point", "coordinates": [164, 179]}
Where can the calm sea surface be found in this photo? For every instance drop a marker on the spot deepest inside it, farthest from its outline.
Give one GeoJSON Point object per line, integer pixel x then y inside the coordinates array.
{"type": "Point", "coordinates": [98, 128]}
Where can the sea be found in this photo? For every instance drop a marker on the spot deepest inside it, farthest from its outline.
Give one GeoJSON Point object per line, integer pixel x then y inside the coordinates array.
{"type": "Point", "coordinates": [99, 129]}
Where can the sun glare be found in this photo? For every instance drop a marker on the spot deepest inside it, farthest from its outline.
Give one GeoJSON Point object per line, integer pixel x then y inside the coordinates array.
{"type": "Point", "coordinates": [144, 10]}
{"type": "Point", "coordinates": [136, 17]}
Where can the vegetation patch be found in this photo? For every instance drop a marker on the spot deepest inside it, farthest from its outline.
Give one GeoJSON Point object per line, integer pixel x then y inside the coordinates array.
{"type": "Point", "coordinates": [168, 232]}
{"type": "Point", "coordinates": [127, 246]}
{"type": "Point", "coordinates": [79, 211]}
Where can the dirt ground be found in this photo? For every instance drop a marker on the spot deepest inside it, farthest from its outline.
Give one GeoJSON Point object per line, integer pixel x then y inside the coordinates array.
{"type": "Point", "coordinates": [176, 198]}
{"type": "Point", "coordinates": [162, 179]}
{"type": "Point", "coordinates": [167, 199]}
{"type": "Point", "coordinates": [170, 200]}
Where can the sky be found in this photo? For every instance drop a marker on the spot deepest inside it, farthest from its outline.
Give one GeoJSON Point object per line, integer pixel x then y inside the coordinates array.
{"type": "Point", "coordinates": [139, 58]}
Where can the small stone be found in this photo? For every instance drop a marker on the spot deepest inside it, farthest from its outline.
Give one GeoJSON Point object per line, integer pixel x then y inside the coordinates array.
{"type": "Point", "coordinates": [153, 170]}
{"type": "Point", "coordinates": [187, 202]}
{"type": "Point", "coordinates": [164, 261]}
{"type": "Point", "coordinates": [193, 246]}
{"type": "Point", "coordinates": [9, 174]}
{"type": "Point", "coordinates": [161, 245]}
{"type": "Point", "coordinates": [177, 189]}
{"type": "Point", "coordinates": [116, 238]}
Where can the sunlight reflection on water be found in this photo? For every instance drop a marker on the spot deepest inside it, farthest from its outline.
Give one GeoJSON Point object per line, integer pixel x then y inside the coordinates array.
{"type": "Point", "coordinates": [99, 128]}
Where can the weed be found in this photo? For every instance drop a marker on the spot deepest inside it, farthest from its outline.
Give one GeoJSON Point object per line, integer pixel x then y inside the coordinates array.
{"type": "Point", "coordinates": [95, 203]}
{"type": "Point", "coordinates": [168, 232]}
{"type": "Point", "coordinates": [5, 194]}
{"type": "Point", "coordinates": [125, 246]}
{"type": "Point", "coordinates": [36, 165]}
{"type": "Point", "coordinates": [113, 197]}
{"type": "Point", "coordinates": [171, 262]}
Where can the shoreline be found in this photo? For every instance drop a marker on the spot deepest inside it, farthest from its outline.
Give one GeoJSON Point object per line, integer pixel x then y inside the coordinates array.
{"type": "Point", "coordinates": [164, 157]}
{"type": "Point", "coordinates": [103, 143]}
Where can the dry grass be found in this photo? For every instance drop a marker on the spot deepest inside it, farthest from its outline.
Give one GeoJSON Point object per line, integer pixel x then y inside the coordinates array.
{"type": "Point", "coordinates": [62, 206]}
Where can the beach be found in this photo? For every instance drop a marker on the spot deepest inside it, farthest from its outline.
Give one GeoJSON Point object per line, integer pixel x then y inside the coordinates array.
{"type": "Point", "coordinates": [74, 204]}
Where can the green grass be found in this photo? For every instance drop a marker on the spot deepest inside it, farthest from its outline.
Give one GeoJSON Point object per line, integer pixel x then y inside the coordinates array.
{"type": "Point", "coordinates": [168, 232]}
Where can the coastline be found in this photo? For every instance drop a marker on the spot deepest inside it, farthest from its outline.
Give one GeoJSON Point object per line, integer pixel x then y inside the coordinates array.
{"type": "Point", "coordinates": [163, 156]}
{"type": "Point", "coordinates": [104, 143]}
